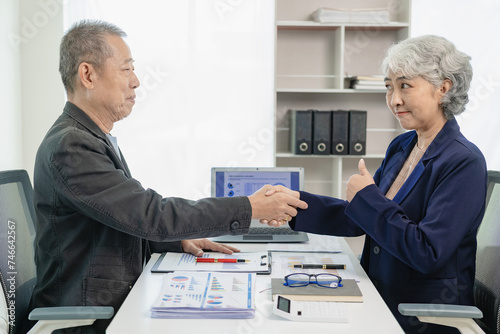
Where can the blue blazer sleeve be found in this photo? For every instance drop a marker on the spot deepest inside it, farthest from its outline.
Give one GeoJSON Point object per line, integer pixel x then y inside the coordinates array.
{"type": "Point", "coordinates": [436, 212]}
{"type": "Point", "coordinates": [425, 229]}
{"type": "Point", "coordinates": [325, 215]}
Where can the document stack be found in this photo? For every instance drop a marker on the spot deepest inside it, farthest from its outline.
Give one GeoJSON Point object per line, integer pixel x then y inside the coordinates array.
{"type": "Point", "coordinates": [210, 295]}
{"type": "Point", "coordinates": [334, 15]}
{"type": "Point", "coordinates": [367, 82]}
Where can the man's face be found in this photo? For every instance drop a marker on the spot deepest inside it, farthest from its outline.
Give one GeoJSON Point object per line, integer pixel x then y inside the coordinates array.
{"type": "Point", "coordinates": [114, 93]}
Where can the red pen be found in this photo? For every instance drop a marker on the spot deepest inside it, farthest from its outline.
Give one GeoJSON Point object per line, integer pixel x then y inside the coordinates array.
{"type": "Point", "coordinates": [212, 260]}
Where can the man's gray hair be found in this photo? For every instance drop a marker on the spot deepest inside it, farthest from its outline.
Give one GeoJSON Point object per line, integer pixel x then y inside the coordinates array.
{"type": "Point", "coordinates": [85, 41]}
{"type": "Point", "coordinates": [434, 59]}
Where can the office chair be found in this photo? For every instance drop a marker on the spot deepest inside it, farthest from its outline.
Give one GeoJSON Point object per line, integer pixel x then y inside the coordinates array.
{"type": "Point", "coordinates": [4, 315]}
{"type": "Point", "coordinates": [17, 265]}
{"type": "Point", "coordinates": [487, 282]}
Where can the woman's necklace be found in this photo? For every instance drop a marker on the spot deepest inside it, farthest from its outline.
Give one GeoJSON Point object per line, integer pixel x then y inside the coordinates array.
{"type": "Point", "coordinates": [414, 157]}
{"type": "Point", "coordinates": [417, 152]}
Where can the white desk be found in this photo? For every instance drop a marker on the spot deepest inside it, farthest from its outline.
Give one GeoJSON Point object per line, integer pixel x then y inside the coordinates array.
{"type": "Point", "coordinates": [371, 316]}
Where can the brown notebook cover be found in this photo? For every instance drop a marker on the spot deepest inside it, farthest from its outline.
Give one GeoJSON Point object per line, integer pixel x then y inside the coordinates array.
{"type": "Point", "coordinates": [348, 292]}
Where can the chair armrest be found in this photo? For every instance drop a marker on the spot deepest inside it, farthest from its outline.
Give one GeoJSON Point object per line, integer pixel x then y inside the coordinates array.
{"type": "Point", "coordinates": [71, 312]}
{"type": "Point", "coordinates": [440, 310]}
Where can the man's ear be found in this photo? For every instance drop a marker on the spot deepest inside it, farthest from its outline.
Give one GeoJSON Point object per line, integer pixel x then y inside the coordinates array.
{"type": "Point", "coordinates": [86, 75]}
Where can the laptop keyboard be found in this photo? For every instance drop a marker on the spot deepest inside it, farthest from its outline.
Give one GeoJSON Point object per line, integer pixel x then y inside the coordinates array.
{"type": "Point", "coordinates": [272, 230]}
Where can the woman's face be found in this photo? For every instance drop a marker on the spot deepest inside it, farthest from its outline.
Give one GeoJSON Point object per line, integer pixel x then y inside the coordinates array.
{"type": "Point", "coordinates": [415, 102]}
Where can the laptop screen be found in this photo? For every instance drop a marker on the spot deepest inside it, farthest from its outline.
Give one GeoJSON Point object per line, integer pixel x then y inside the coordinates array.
{"type": "Point", "coordinates": [231, 182]}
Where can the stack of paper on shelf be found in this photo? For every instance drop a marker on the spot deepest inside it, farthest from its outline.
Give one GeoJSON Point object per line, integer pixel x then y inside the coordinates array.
{"type": "Point", "coordinates": [349, 292]}
{"type": "Point", "coordinates": [335, 15]}
{"type": "Point", "coordinates": [367, 82]}
{"type": "Point", "coordinates": [211, 295]}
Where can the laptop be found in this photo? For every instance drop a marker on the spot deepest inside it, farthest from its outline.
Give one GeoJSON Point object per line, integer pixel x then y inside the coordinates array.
{"type": "Point", "coordinates": [230, 182]}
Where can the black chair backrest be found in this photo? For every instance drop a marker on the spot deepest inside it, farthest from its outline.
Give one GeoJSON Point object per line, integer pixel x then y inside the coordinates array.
{"type": "Point", "coordinates": [17, 234]}
{"type": "Point", "coordinates": [487, 284]}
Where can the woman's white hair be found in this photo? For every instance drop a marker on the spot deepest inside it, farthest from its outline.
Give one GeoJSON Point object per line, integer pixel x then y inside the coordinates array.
{"type": "Point", "coordinates": [434, 59]}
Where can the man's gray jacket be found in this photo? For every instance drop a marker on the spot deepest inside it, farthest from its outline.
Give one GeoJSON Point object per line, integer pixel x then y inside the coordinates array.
{"type": "Point", "coordinates": [96, 225]}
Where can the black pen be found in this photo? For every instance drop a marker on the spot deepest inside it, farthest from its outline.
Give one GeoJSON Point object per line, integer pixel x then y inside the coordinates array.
{"type": "Point", "coordinates": [319, 266]}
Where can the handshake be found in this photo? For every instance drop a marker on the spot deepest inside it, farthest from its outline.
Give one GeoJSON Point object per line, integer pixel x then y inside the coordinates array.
{"type": "Point", "coordinates": [275, 205]}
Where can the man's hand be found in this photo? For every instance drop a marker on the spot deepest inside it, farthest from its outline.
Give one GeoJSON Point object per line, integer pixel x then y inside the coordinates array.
{"type": "Point", "coordinates": [358, 181]}
{"type": "Point", "coordinates": [279, 207]}
{"type": "Point", "coordinates": [276, 189]}
{"type": "Point", "coordinates": [196, 247]}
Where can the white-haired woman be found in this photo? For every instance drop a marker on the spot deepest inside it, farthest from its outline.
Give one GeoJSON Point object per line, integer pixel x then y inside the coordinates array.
{"type": "Point", "coordinates": [421, 210]}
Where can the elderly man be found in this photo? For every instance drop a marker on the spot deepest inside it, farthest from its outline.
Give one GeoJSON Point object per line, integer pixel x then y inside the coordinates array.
{"type": "Point", "coordinates": [96, 225]}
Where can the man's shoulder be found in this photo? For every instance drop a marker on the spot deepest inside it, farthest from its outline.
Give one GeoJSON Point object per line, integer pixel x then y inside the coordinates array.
{"type": "Point", "coordinates": [67, 136]}
{"type": "Point", "coordinates": [66, 128]}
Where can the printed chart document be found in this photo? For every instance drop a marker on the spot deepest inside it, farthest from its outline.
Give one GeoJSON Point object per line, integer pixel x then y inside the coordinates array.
{"type": "Point", "coordinates": [206, 295]}
{"type": "Point", "coordinates": [254, 262]}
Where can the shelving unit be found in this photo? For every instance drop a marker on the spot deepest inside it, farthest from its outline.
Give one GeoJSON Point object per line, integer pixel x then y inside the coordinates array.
{"type": "Point", "coordinates": [312, 63]}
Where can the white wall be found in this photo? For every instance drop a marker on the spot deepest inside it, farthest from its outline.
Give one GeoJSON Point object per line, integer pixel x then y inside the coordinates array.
{"type": "Point", "coordinates": [473, 27]}
{"type": "Point", "coordinates": [32, 92]}
{"type": "Point", "coordinates": [206, 96]}
{"type": "Point", "coordinates": [183, 150]}
{"type": "Point", "coordinates": [42, 92]}
{"type": "Point", "coordinates": [10, 111]}
{"type": "Point", "coordinates": [33, 95]}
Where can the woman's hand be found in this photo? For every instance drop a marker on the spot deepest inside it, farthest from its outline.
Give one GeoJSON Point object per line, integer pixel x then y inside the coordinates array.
{"type": "Point", "coordinates": [358, 181]}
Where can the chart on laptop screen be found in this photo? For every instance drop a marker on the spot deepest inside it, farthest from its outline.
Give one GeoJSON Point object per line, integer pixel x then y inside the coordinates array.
{"type": "Point", "coordinates": [232, 182]}
{"type": "Point", "coordinates": [245, 183]}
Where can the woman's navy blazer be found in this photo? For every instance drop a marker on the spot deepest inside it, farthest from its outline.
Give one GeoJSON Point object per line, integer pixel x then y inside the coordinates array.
{"type": "Point", "coordinates": [420, 246]}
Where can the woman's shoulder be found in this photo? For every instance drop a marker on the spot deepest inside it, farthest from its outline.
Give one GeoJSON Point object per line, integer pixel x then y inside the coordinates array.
{"type": "Point", "coordinates": [467, 145]}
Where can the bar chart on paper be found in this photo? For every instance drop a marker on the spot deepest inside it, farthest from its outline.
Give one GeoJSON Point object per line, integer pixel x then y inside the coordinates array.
{"type": "Point", "coordinates": [205, 295]}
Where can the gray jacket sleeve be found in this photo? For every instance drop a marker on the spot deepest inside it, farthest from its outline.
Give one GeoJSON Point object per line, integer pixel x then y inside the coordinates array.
{"type": "Point", "coordinates": [93, 181]}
